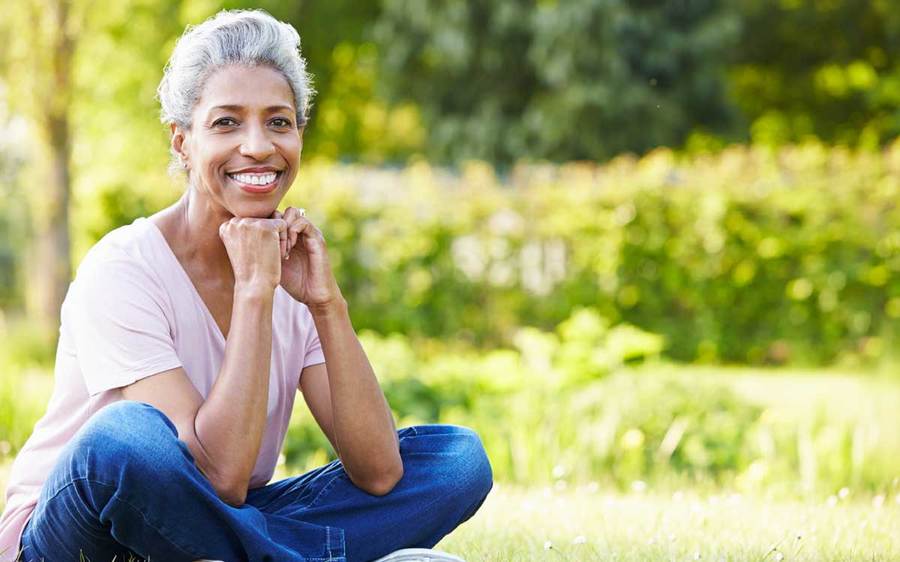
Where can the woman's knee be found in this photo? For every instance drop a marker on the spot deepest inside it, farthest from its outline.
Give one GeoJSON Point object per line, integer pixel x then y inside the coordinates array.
{"type": "Point", "coordinates": [461, 454]}
{"type": "Point", "coordinates": [129, 432]}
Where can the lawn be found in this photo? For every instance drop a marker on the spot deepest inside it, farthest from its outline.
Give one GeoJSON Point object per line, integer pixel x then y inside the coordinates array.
{"type": "Point", "coordinates": [572, 520]}
{"type": "Point", "coordinates": [587, 523]}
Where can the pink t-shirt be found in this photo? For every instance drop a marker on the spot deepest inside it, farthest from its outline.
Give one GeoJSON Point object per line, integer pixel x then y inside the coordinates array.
{"type": "Point", "coordinates": [131, 312]}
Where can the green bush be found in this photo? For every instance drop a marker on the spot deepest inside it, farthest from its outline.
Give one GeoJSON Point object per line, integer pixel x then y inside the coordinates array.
{"type": "Point", "coordinates": [569, 406]}
{"type": "Point", "coordinates": [751, 255]}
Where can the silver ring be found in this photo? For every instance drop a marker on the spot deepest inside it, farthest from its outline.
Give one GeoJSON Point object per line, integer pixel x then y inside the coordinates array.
{"type": "Point", "coordinates": [302, 211]}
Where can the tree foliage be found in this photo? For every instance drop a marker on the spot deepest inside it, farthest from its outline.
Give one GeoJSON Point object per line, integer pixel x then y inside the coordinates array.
{"type": "Point", "coordinates": [824, 69]}
{"type": "Point", "coordinates": [557, 80]}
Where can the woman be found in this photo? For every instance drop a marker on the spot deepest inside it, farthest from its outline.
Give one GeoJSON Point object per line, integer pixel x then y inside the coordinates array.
{"type": "Point", "coordinates": [162, 434]}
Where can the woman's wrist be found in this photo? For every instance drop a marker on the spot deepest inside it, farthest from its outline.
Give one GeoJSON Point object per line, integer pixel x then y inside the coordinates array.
{"type": "Point", "coordinates": [337, 305]}
{"type": "Point", "coordinates": [253, 290]}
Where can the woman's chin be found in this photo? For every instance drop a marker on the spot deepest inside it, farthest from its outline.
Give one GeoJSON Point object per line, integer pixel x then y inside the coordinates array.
{"type": "Point", "coordinates": [261, 210]}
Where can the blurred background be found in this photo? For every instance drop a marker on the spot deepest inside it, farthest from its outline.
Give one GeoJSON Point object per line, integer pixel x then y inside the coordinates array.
{"type": "Point", "coordinates": [646, 244]}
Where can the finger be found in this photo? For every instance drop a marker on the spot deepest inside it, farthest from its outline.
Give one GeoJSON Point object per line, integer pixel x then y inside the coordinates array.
{"type": "Point", "coordinates": [291, 215]}
{"type": "Point", "coordinates": [276, 214]}
{"type": "Point", "coordinates": [296, 229]}
{"type": "Point", "coordinates": [281, 228]}
{"type": "Point", "coordinates": [298, 224]}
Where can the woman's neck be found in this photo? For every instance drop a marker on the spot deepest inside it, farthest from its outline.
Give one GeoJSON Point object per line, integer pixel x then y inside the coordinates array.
{"type": "Point", "coordinates": [193, 233]}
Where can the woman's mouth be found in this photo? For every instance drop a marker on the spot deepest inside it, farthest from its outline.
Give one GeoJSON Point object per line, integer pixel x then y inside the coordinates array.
{"type": "Point", "coordinates": [256, 182]}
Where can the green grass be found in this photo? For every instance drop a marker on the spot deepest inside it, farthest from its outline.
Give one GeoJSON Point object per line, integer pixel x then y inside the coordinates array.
{"type": "Point", "coordinates": [586, 523]}
{"type": "Point", "coordinates": [673, 520]}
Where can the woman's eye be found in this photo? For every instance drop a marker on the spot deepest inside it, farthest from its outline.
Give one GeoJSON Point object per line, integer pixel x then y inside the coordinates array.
{"type": "Point", "coordinates": [281, 122]}
{"type": "Point", "coordinates": [226, 121]}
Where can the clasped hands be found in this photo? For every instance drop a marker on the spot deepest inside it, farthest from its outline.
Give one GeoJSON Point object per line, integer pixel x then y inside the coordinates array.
{"type": "Point", "coordinates": [301, 265]}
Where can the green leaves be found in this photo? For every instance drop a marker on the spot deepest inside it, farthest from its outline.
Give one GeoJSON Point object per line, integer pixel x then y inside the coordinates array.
{"type": "Point", "coordinates": [502, 81]}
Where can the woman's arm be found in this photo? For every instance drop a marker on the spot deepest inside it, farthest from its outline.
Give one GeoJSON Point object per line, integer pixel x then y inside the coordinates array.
{"type": "Point", "coordinates": [231, 422]}
{"type": "Point", "coordinates": [363, 429]}
{"type": "Point", "coordinates": [361, 423]}
{"type": "Point", "coordinates": [223, 432]}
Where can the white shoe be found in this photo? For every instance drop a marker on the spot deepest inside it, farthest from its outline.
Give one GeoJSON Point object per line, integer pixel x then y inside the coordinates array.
{"type": "Point", "coordinates": [419, 555]}
{"type": "Point", "coordinates": [406, 555]}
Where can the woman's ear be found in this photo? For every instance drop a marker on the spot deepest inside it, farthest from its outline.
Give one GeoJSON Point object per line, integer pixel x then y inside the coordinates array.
{"type": "Point", "coordinates": [178, 145]}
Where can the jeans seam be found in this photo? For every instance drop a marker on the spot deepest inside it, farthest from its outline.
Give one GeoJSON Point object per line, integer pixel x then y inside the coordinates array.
{"type": "Point", "coordinates": [138, 511]}
{"type": "Point", "coordinates": [324, 489]}
{"type": "Point", "coordinates": [328, 541]}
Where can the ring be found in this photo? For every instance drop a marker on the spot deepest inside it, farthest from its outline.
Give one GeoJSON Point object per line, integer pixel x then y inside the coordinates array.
{"type": "Point", "coordinates": [302, 211]}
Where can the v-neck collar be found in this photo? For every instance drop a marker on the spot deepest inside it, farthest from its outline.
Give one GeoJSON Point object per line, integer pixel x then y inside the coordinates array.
{"type": "Point", "coordinates": [186, 279]}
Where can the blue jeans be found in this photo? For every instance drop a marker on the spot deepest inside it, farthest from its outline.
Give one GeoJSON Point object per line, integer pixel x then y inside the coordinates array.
{"type": "Point", "coordinates": [126, 485]}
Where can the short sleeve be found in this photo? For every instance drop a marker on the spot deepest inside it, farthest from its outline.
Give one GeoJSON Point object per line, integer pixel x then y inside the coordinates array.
{"type": "Point", "coordinates": [313, 347]}
{"type": "Point", "coordinates": [119, 328]}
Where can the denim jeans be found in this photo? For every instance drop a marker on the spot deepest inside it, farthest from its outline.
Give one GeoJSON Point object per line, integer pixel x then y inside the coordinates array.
{"type": "Point", "coordinates": [126, 485]}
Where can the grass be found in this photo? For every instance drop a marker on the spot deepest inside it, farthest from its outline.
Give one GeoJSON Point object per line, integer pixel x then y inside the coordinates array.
{"type": "Point", "coordinates": [586, 523]}
{"type": "Point", "coordinates": [568, 521]}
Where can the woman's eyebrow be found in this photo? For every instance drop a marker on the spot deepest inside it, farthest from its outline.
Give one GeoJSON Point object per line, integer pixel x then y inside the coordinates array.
{"type": "Point", "coordinates": [239, 108]}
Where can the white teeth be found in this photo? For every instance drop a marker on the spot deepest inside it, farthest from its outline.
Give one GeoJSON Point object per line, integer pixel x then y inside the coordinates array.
{"type": "Point", "coordinates": [255, 179]}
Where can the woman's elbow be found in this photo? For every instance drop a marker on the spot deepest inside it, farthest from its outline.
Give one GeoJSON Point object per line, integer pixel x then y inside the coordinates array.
{"type": "Point", "coordinates": [233, 495]}
{"type": "Point", "coordinates": [385, 481]}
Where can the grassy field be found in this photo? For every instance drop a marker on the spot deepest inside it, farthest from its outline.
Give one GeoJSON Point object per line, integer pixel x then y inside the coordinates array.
{"type": "Point", "coordinates": [570, 520]}
{"type": "Point", "coordinates": [586, 523]}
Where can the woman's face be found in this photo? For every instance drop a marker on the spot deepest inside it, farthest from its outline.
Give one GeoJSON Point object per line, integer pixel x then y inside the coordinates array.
{"type": "Point", "coordinates": [243, 148]}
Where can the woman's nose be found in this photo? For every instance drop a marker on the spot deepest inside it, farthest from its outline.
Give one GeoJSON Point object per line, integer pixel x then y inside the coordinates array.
{"type": "Point", "coordinates": [256, 144]}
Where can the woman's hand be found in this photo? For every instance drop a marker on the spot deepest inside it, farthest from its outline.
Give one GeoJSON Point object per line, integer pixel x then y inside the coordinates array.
{"type": "Point", "coordinates": [252, 245]}
{"type": "Point", "coordinates": [305, 269]}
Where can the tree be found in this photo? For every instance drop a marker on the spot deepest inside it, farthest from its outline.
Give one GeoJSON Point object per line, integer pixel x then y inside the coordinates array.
{"type": "Point", "coordinates": [824, 69]}
{"type": "Point", "coordinates": [582, 79]}
{"type": "Point", "coordinates": [39, 70]}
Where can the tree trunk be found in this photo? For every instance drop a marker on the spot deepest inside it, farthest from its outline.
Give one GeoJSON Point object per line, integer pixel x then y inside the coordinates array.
{"type": "Point", "coordinates": [50, 270]}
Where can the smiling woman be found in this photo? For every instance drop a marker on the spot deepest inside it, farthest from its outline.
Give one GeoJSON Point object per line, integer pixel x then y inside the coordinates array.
{"type": "Point", "coordinates": [244, 136]}
{"type": "Point", "coordinates": [184, 339]}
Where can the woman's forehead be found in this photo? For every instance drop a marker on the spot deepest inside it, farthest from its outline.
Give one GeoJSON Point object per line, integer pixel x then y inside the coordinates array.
{"type": "Point", "coordinates": [252, 88]}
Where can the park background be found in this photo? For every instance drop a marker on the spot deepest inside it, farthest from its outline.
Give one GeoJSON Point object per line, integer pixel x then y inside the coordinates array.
{"type": "Point", "coordinates": [649, 250]}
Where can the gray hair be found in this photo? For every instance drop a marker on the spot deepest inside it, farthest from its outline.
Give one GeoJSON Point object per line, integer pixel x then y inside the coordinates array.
{"type": "Point", "coordinates": [242, 37]}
